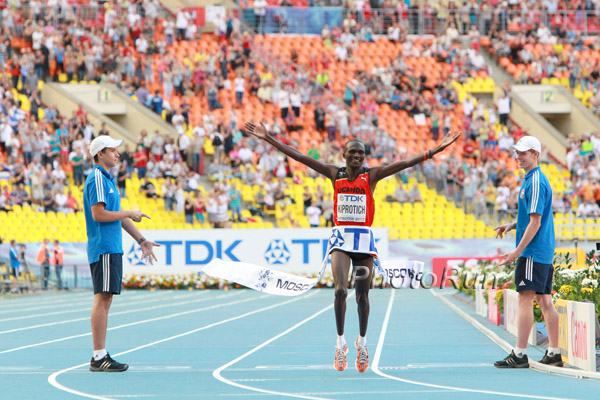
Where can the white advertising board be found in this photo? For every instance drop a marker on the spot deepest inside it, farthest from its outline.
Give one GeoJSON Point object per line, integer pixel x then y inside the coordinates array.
{"type": "Point", "coordinates": [481, 307]}
{"type": "Point", "coordinates": [581, 331]}
{"type": "Point", "coordinates": [404, 273]}
{"type": "Point", "coordinates": [186, 251]}
{"type": "Point", "coordinates": [511, 315]}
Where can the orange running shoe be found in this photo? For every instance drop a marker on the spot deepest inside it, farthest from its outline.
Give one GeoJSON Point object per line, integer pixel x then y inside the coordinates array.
{"type": "Point", "coordinates": [362, 358]}
{"type": "Point", "coordinates": [340, 358]}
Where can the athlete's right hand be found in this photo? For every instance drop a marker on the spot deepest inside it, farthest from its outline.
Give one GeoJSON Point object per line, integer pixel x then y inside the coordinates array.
{"type": "Point", "coordinates": [259, 131]}
{"type": "Point", "coordinates": [502, 229]}
{"type": "Point", "coordinates": [136, 216]}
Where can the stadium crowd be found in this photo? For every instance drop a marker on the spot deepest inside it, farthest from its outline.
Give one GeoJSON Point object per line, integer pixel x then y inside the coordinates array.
{"type": "Point", "coordinates": [39, 147]}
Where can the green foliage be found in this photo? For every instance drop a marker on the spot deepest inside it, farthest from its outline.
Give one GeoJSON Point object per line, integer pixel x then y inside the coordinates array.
{"type": "Point", "coordinates": [568, 283]}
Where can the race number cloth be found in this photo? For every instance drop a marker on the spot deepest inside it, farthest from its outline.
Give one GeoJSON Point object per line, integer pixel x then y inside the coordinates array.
{"type": "Point", "coordinates": [352, 239]}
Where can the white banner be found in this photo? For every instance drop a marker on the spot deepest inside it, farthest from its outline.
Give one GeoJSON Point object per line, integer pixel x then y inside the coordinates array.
{"type": "Point", "coordinates": [349, 239]}
{"type": "Point", "coordinates": [581, 340]}
{"type": "Point", "coordinates": [296, 251]}
{"type": "Point", "coordinates": [481, 307]}
{"type": "Point", "coordinates": [260, 278]}
{"type": "Point", "coordinates": [403, 273]}
{"type": "Point", "coordinates": [511, 315]}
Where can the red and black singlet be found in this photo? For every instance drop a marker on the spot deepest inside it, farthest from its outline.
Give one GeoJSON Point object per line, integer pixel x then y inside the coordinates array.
{"type": "Point", "coordinates": [353, 202]}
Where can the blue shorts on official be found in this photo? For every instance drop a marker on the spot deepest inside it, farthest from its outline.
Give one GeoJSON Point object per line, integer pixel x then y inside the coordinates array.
{"type": "Point", "coordinates": [530, 275]}
{"type": "Point", "coordinates": [107, 273]}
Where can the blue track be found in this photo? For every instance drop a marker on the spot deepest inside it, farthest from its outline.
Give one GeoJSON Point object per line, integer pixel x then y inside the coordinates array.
{"type": "Point", "coordinates": [243, 344]}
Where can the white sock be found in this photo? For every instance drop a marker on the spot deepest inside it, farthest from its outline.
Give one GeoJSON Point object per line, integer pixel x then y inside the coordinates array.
{"type": "Point", "coordinates": [553, 351]}
{"type": "Point", "coordinates": [99, 354]}
{"type": "Point", "coordinates": [341, 342]}
{"type": "Point", "coordinates": [362, 340]}
{"type": "Point", "coordinates": [520, 352]}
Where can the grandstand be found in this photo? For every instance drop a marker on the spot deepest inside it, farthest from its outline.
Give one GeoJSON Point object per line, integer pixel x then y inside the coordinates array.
{"type": "Point", "coordinates": [178, 81]}
{"type": "Point", "coordinates": [360, 62]}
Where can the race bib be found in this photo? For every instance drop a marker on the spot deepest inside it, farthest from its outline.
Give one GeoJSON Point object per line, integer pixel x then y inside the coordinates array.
{"type": "Point", "coordinates": [351, 207]}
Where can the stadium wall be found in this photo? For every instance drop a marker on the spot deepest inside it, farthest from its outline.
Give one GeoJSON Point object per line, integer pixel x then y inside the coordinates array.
{"type": "Point", "coordinates": [532, 122]}
{"type": "Point", "coordinates": [67, 103]}
{"type": "Point", "coordinates": [582, 120]}
{"type": "Point", "coordinates": [137, 116]}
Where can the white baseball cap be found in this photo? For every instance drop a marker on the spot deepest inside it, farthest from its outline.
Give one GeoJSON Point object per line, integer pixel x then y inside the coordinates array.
{"type": "Point", "coordinates": [528, 143]}
{"type": "Point", "coordinates": [104, 142]}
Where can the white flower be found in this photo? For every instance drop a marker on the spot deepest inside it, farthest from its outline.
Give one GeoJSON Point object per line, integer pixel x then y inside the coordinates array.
{"type": "Point", "coordinates": [568, 273]}
{"type": "Point", "coordinates": [587, 282]}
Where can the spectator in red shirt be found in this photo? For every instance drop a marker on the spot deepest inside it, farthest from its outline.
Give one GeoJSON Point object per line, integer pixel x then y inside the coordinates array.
{"type": "Point", "coordinates": [80, 114]}
{"type": "Point", "coordinates": [141, 161]}
{"type": "Point", "coordinates": [469, 149]}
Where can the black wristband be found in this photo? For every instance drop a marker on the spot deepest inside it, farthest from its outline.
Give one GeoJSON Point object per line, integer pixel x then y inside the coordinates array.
{"type": "Point", "coordinates": [141, 240]}
{"type": "Point", "coordinates": [429, 154]}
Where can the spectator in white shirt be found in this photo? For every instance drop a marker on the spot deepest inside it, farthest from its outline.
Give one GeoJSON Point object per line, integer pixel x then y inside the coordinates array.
{"type": "Point", "coordinates": [58, 174]}
{"type": "Point", "coordinates": [505, 140]}
{"type": "Point", "coordinates": [239, 83]}
{"type": "Point", "coordinates": [60, 199]}
{"type": "Point", "coordinates": [157, 146]}
{"type": "Point", "coordinates": [178, 122]}
{"type": "Point", "coordinates": [504, 108]}
{"type": "Point", "coordinates": [588, 209]}
{"type": "Point", "coordinates": [260, 12]}
{"type": "Point", "coordinates": [169, 30]}
{"type": "Point", "coordinates": [183, 144]}
{"type": "Point", "coordinates": [181, 23]}
{"type": "Point", "coordinates": [314, 216]}
{"type": "Point", "coordinates": [341, 54]}
{"type": "Point", "coordinates": [347, 39]}
{"type": "Point", "coordinates": [141, 44]}
{"type": "Point", "coordinates": [245, 154]}
{"type": "Point", "coordinates": [191, 30]}
{"type": "Point", "coordinates": [296, 101]}
{"type": "Point", "coordinates": [284, 102]}
{"type": "Point", "coordinates": [468, 105]}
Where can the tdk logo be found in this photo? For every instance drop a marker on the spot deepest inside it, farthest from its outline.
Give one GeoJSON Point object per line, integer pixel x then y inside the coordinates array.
{"type": "Point", "coordinates": [189, 249]}
{"type": "Point", "coordinates": [277, 253]}
{"type": "Point", "coordinates": [352, 197]}
{"type": "Point", "coordinates": [134, 255]}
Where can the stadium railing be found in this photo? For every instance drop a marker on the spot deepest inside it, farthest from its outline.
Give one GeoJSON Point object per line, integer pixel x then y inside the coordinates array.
{"type": "Point", "coordinates": [420, 22]}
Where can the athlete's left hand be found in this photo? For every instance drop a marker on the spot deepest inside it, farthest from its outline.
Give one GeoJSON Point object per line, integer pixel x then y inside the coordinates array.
{"type": "Point", "coordinates": [509, 258]}
{"type": "Point", "coordinates": [449, 139]}
{"type": "Point", "coordinates": [148, 251]}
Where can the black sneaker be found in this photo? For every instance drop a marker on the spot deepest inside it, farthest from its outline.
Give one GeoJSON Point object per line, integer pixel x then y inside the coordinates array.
{"type": "Point", "coordinates": [107, 364]}
{"type": "Point", "coordinates": [555, 360]}
{"type": "Point", "coordinates": [512, 361]}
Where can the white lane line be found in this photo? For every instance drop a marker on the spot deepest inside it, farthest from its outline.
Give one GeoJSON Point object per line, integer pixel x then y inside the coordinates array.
{"type": "Point", "coordinates": [52, 379]}
{"type": "Point", "coordinates": [437, 366]}
{"type": "Point", "coordinates": [89, 304]}
{"type": "Point", "coordinates": [86, 318]}
{"type": "Point", "coordinates": [217, 372]}
{"type": "Point", "coordinates": [289, 367]}
{"type": "Point", "coordinates": [369, 394]}
{"type": "Point", "coordinates": [375, 366]}
{"type": "Point", "coordinates": [66, 303]}
{"type": "Point", "coordinates": [294, 367]}
{"type": "Point", "coordinates": [9, 306]}
{"type": "Point", "coordinates": [125, 325]}
{"type": "Point", "coordinates": [538, 366]}
{"type": "Point", "coordinates": [41, 296]}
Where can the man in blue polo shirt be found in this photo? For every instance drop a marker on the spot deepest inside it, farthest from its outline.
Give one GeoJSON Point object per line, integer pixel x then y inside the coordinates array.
{"type": "Point", "coordinates": [104, 220]}
{"type": "Point", "coordinates": [534, 256]}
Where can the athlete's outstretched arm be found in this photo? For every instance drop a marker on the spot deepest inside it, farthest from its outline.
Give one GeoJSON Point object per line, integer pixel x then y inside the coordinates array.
{"type": "Point", "coordinates": [379, 173]}
{"type": "Point", "coordinates": [260, 131]}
